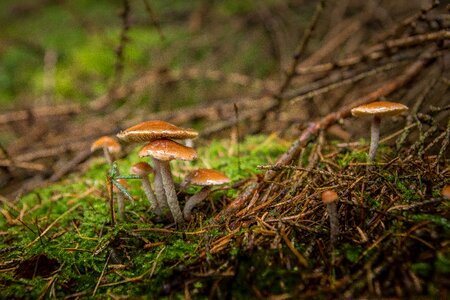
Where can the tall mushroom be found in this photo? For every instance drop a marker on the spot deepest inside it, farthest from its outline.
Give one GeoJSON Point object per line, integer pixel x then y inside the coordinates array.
{"type": "Point", "coordinates": [153, 130]}
{"type": "Point", "coordinates": [329, 198]}
{"type": "Point", "coordinates": [202, 177]}
{"type": "Point", "coordinates": [143, 169]}
{"type": "Point", "coordinates": [163, 151]}
{"type": "Point", "coordinates": [109, 145]}
{"type": "Point", "coordinates": [377, 110]}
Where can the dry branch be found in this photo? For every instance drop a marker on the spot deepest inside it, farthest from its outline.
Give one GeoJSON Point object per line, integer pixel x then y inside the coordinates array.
{"type": "Point", "coordinates": [378, 51]}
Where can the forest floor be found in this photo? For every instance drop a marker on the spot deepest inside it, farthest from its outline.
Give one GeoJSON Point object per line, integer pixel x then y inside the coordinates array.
{"type": "Point", "coordinates": [282, 139]}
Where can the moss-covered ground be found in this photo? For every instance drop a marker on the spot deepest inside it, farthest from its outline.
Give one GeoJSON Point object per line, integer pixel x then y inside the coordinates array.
{"type": "Point", "coordinates": [58, 241]}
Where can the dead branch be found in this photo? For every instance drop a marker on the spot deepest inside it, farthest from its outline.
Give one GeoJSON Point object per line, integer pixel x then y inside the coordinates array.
{"type": "Point", "coordinates": [378, 51]}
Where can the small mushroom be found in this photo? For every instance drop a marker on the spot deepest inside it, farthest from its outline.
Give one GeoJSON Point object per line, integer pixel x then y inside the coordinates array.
{"type": "Point", "coordinates": [329, 198]}
{"type": "Point", "coordinates": [202, 177]}
{"type": "Point", "coordinates": [120, 198]}
{"type": "Point", "coordinates": [143, 169]}
{"type": "Point", "coordinates": [109, 145]}
{"type": "Point", "coordinates": [163, 151]}
{"type": "Point", "coordinates": [377, 110]}
{"type": "Point", "coordinates": [446, 192]}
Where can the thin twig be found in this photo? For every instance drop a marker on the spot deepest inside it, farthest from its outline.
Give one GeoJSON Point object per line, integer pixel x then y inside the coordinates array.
{"type": "Point", "coordinates": [153, 19]}
{"type": "Point", "coordinates": [53, 224]}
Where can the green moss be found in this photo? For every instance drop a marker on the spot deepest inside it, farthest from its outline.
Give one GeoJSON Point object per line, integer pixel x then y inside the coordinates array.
{"type": "Point", "coordinates": [422, 269]}
{"type": "Point", "coordinates": [352, 252]}
{"type": "Point", "coordinates": [259, 270]}
{"type": "Point", "coordinates": [355, 156]}
{"type": "Point", "coordinates": [442, 263]}
{"type": "Point", "coordinates": [254, 151]}
{"type": "Point", "coordinates": [81, 238]}
{"type": "Point", "coordinates": [438, 220]}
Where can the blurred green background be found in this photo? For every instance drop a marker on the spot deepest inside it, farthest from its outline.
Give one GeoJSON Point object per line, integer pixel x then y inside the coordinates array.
{"type": "Point", "coordinates": [57, 51]}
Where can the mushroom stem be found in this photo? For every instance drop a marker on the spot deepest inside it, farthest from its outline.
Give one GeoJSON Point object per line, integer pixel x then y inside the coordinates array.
{"type": "Point", "coordinates": [121, 206]}
{"type": "Point", "coordinates": [108, 156]}
{"type": "Point", "coordinates": [334, 222]}
{"type": "Point", "coordinates": [194, 201]}
{"type": "Point", "coordinates": [169, 188]}
{"type": "Point", "coordinates": [150, 195]}
{"type": "Point", "coordinates": [184, 184]}
{"type": "Point", "coordinates": [374, 137]}
{"type": "Point", "coordinates": [159, 188]}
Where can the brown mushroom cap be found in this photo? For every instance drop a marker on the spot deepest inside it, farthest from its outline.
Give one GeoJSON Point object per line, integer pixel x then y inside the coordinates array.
{"type": "Point", "coordinates": [141, 169]}
{"type": "Point", "coordinates": [106, 142]}
{"type": "Point", "coordinates": [122, 182]}
{"type": "Point", "coordinates": [446, 192]}
{"type": "Point", "coordinates": [167, 150]}
{"type": "Point", "coordinates": [379, 108]}
{"type": "Point", "coordinates": [154, 130]}
{"type": "Point", "coordinates": [205, 177]}
{"type": "Point", "coordinates": [329, 196]}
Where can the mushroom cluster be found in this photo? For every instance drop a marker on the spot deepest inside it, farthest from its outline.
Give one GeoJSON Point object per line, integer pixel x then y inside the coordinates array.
{"type": "Point", "coordinates": [158, 137]}
{"type": "Point", "coordinates": [159, 145]}
{"type": "Point", "coordinates": [162, 152]}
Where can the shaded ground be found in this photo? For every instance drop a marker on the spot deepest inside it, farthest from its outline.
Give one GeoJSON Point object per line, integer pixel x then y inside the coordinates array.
{"type": "Point", "coordinates": [266, 234]}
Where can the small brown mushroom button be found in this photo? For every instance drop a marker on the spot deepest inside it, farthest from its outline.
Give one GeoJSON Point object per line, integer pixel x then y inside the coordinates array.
{"type": "Point", "coordinates": [446, 192]}
{"type": "Point", "coordinates": [143, 169]}
{"type": "Point", "coordinates": [329, 198]}
{"type": "Point", "coordinates": [153, 130]}
{"type": "Point", "coordinates": [163, 151]}
{"type": "Point", "coordinates": [377, 110]}
{"type": "Point", "coordinates": [109, 145]}
{"type": "Point", "coordinates": [206, 178]}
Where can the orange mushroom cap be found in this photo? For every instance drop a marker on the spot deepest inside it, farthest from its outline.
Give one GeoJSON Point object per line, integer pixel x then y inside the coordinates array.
{"type": "Point", "coordinates": [141, 169]}
{"type": "Point", "coordinates": [206, 177]}
{"type": "Point", "coordinates": [379, 108]}
{"type": "Point", "coordinates": [106, 142]}
{"type": "Point", "coordinates": [329, 196]}
{"type": "Point", "coordinates": [154, 130]}
{"type": "Point", "coordinates": [167, 150]}
{"type": "Point", "coordinates": [122, 182]}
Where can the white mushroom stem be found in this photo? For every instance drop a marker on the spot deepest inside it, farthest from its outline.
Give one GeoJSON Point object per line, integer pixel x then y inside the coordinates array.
{"type": "Point", "coordinates": [150, 195]}
{"type": "Point", "coordinates": [169, 188]}
{"type": "Point", "coordinates": [334, 222]}
{"type": "Point", "coordinates": [374, 137]}
{"type": "Point", "coordinates": [194, 201]}
{"type": "Point", "coordinates": [159, 188]}
{"type": "Point", "coordinates": [108, 156]}
{"type": "Point", "coordinates": [121, 205]}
